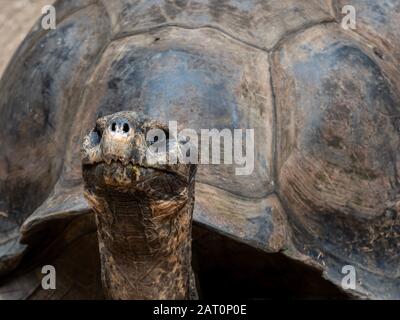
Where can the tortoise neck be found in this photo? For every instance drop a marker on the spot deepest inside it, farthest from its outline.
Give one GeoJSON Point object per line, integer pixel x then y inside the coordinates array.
{"type": "Point", "coordinates": [145, 247]}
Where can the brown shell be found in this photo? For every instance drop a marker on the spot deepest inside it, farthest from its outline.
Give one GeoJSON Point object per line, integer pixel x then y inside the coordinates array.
{"type": "Point", "coordinates": [322, 101]}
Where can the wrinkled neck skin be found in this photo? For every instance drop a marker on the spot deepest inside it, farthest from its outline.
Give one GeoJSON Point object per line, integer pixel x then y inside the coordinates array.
{"type": "Point", "coordinates": [145, 245]}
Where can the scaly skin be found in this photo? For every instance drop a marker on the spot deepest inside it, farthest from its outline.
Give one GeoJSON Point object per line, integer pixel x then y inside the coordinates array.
{"type": "Point", "coordinates": [143, 212]}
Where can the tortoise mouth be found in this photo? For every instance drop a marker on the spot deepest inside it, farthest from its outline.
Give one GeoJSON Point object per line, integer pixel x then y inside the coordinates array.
{"type": "Point", "coordinates": [156, 182]}
{"type": "Point", "coordinates": [116, 172]}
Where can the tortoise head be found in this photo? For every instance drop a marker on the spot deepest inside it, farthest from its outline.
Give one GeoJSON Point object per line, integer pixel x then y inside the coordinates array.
{"type": "Point", "coordinates": [143, 198]}
{"type": "Point", "coordinates": [126, 151]}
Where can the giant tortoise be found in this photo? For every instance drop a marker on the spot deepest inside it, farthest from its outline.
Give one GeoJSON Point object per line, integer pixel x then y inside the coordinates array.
{"type": "Point", "coordinates": [323, 101]}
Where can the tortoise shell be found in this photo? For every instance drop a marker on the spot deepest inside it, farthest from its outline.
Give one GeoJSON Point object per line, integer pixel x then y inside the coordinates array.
{"type": "Point", "coordinates": [322, 101]}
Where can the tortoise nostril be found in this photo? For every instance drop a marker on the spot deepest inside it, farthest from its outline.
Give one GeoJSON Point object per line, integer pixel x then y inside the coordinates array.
{"type": "Point", "coordinates": [120, 126]}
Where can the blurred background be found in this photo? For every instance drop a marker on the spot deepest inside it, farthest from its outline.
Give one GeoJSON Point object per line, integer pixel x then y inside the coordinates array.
{"type": "Point", "coordinates": [16, 19]}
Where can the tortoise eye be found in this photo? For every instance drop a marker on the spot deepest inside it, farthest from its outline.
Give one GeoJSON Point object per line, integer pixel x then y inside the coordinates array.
{"type": "Point", "coordinates": [97, 130]}
{"type": "Point", "coordinates": [159, 138]}
{"type": "Point", "coordinates": [154, 140]}
{"type": "Point", "coordinates": [157, 135]}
